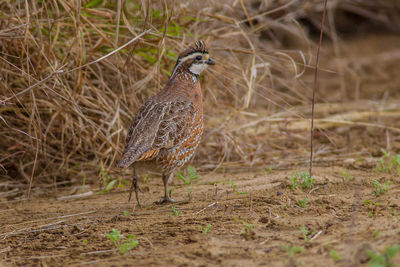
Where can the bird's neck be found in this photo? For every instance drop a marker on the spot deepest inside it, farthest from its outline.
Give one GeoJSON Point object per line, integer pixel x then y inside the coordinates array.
{"type": "Point", "coordinates": [184, 85]}
{"type": "Point", "coordinates": [184, 76]}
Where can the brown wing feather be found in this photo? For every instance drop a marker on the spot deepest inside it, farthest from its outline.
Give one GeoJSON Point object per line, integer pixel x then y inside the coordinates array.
{"type": "Point", "coordinates": [175, 124]}
{"type": "Point", "coordinates": [156, 126]}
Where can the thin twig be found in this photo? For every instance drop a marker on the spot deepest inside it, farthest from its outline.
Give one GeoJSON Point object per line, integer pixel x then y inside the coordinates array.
{"type": "Point", "coordinates": [315, 86]}
{"type": "Point", "coordinates": [316, 235]}
{"type": "Point", "coordinates": [86, 194]}
{"type": "Point", "coordinates": [209, 206]}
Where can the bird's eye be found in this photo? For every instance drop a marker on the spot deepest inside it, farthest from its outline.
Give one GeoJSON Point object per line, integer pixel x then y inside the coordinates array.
{"type": "Point", "coordinates": [199, 57]}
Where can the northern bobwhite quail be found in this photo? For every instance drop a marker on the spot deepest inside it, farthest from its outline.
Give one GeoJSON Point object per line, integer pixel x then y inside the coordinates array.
{"type": "Point", "coordinates": [168, 127]}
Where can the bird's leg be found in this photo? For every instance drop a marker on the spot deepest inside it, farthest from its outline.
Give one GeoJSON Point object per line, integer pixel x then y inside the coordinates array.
{"type": "Point", "coordinates": [166, 199]}
{"type": "Point", "coordinates": [136, 186]}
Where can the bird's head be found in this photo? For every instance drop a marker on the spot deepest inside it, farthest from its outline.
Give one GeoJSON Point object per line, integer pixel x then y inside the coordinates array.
{"type": "Point", "coordinates": [194, 59]}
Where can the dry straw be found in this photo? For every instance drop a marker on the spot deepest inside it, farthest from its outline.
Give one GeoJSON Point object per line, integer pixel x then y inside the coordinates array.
{"type": "Point", "coordinates": [72, 76]}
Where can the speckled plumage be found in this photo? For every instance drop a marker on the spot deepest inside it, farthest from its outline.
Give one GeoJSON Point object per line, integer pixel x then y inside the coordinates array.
{"type": "Point", "coordinates": [168, 127]}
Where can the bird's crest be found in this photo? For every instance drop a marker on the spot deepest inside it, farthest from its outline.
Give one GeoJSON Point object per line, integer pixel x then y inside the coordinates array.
{"type": "Point", "coordinates": [197, 47]}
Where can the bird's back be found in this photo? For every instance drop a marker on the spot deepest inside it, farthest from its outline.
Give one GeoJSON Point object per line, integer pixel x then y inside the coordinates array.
{"type": "Point", "coordinates": [164, 123]}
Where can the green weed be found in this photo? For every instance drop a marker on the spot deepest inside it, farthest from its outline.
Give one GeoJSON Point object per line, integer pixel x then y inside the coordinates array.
{"type": "Point", "coordinates": [247, 231]}
{"type": "Point", "coordinates": [268, 170]}
{"type": "Point", "coordinates": [235, 188]}
{"type": "Point", "coordinates": [304, 231]}
{"type": "Point", "coordinates": [116, 237]}
{"type": "Point", "coordinates": [335, 256]}
{"type": "Point", "coordinates": [383, 258]}
{"type": "Point", "coordinates": [303, 179]}
{"type": "Point", "coordinates": [205, 229]}
{"type": "Point", "coordinates": [106, 181]}
{"type": "Point", "coordinates": [175, 211]}
{"type": "Point", "coordinates": [346, 176]}
{"type": "Point", "coordinates": [381, 189]}
{"type": "Point", "coordinates": [394, 212]}
{"type": "Point", "coordinates": [388, 163]}
{"type": "Point", "coordinates": [292, 250]}
{"type": "Point", "coordinates": [374, 207]}
{"type": "Point", "coordinates": [302, 203]}
{"type": "Point", "coordinates": [189, 180]}
{"type": "Point", "coordinates": [145, 178]}
{"type": "Point", "coordinates": [377, 233]}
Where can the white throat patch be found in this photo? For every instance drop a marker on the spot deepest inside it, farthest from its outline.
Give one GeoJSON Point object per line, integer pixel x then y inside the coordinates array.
{"type": "Point", "coordinates": [198, 68]}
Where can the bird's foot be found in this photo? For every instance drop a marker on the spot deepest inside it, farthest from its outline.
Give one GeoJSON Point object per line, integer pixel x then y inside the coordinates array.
{"type": "Point", "coordinates": [165, 200]}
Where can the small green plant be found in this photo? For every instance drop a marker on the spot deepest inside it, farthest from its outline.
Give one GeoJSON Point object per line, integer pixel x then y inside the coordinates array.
{"type": "Point", "coordinates": [377, 233]}
{"type": "Point", "coordinates": [304, 231]}
{"type": "Point", "coordinates": [383, 258]}
{"type": "Point", "coordinates": [303, 179]}
{"type": "Point", "coordinates": [248, 227]}
{"type": "Point", "coordinates": [292, 250]}
{"type": "Point", "coordinates": [294, 179]}
{"type": "Point", "coordinates": [335, 256]}
{"type": "Point", "coordinates": [388, 163]}
{"type": "Point", "coordinates": [205, 229]}
{"type": "Point", "coordinates": [373, 207]}
{"type": "Point", "coordinates": [191, 177]}
{"type": "Point", "coordinates": [394, 212]}
{"type": "Point", "coordinates": [116, 237]}
{"type": "Point", "coordinates": [145, 178]}
{"type": "Point", "coordinates": [106, 181]}
{"type": "Point", "coordinates": [302, 203]}
{"type": "Point", "coordinates": [381, 189]}
{"type": "Point", "coordinates": [346, 176]}
{"type": "Point", "coordinates": [175, 211]}
{"type": "Point", "coordinates": [268, 170]}
{"type": "Point", "coordinates": [235, 188]}
{"type": "Point", "coordinates": [247, 231]}
{"type": "Point", "coordinates": [126, 213]}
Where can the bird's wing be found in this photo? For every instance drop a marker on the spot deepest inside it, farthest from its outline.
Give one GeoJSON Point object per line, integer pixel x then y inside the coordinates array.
{"type": "Point", "coordinates": [156, 126]}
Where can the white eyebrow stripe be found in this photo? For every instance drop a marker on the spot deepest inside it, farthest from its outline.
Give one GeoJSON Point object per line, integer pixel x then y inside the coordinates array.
{"type": "Point", "coordinates": [191, 56]}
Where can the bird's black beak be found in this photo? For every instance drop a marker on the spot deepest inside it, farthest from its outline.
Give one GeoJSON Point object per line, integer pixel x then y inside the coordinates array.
{"type": "Point", "coordinates": [210, 61]}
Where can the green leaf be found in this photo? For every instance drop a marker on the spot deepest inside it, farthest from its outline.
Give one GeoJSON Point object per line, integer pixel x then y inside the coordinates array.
{"type": "Point", "coordinates": [94, 3]}
{"type": "Point", "coordinates": [115, 236]}
{"type": "Point", "coordinates": [392, 251]}
{"type": "Point", "coordinates": [130, 243]}
{"type": "Point", "coordinates": [335, 256]}
{"type": "Point", "coordinates": [110, 185]}
{"type": "Point", "coordinates": [192, 174]}
{"type": "Point", "coordinates": [147, 57]}
{"type": "Point", "coordinates": [182, 178]}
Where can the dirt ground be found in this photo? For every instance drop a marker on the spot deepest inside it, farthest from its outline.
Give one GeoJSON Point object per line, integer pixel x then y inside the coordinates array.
{"type": "Point", "coordinates": [251, 215]}
{"type": "Point", "coordinates": [342, 215]}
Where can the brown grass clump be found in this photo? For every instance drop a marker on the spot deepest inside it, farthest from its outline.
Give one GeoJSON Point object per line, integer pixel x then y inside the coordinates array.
{"type": "Point", "coordinates": [70, 84]}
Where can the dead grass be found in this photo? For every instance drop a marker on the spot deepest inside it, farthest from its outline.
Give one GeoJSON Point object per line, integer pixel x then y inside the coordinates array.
{"type": "Point", "coordinates": [71, 79]}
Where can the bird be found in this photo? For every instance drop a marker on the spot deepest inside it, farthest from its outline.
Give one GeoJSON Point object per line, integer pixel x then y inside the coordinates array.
{"type": "Point", "coordinates": [168, 127]}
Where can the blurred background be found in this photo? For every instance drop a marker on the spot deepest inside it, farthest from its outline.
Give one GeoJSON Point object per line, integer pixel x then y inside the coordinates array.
{"type": "Point", "coordinates": [64, 121]}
